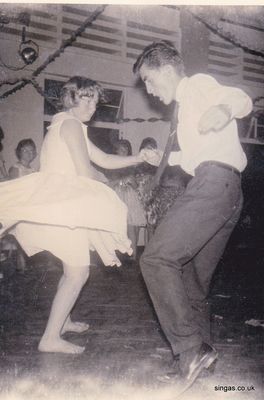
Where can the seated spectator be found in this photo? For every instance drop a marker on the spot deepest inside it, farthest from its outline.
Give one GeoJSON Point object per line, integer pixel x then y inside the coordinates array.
{"type": "Point", "coordinates": [26, 152]}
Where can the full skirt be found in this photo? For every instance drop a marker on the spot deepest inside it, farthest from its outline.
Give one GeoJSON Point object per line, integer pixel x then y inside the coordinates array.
{"type": "Point", "coordinates": [66, 215]}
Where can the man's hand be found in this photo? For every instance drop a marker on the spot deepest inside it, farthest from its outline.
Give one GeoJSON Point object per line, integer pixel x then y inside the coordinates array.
{"type": "Point", "coordinates": [215, 119]}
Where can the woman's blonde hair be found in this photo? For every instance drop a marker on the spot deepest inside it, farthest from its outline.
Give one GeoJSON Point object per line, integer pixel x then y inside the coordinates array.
{"type": "Point", "coordinates": [77, 87]}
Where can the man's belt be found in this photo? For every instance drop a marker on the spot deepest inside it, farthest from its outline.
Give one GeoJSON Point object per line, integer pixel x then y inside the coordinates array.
{"type": "Point", "coordinates": [221, 165]}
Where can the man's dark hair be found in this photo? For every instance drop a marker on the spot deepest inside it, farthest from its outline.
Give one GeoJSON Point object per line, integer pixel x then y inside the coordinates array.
{"type": "Point", "coordinates": [158, 54]}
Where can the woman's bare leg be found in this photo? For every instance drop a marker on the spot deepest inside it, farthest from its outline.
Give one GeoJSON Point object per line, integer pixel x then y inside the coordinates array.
{"type": "Point", "coordinates": [69, 325]}
{"type": "Point", "coordinates": [68, 291]}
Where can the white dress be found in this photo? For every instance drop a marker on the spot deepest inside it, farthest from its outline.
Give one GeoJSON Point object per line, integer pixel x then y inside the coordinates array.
{"type": "Point", "coordinates": [59, 211]}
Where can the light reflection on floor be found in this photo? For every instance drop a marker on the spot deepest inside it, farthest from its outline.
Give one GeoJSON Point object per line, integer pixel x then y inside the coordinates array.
{"type": "Point", "coordinates": [57, 384]}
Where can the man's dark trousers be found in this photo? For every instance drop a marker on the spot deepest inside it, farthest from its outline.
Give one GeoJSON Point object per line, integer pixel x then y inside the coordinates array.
{"type": "Point", "coordinates": [179, 260]}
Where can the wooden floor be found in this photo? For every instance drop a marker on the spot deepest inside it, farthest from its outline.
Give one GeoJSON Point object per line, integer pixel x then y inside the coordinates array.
{"type": "Point", "coordinates": [125, 348]}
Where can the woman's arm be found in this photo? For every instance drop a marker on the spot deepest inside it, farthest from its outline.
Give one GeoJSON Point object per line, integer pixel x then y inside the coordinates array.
{"type": "Point", "coordinates": [72, 133]}
{"type": "Point", "coordinates": [110, 161]}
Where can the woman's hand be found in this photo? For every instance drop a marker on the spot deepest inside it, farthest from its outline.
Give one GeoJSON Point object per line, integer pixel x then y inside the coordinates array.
{"type": "Point", "coordinates": [151, 156]}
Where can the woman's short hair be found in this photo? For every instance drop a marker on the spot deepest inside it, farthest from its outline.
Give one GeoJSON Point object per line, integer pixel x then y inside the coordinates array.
{"type": "Point", "coordinates": [158, 54]}
{"type": "Point", "coordinates": [77, 87]}
{"type": "Point", "coordinates": [23, 143]}
{"type": "Point", "coordinates": [148, 142]}
{"type": "Point", "coordinates": [125, 143]}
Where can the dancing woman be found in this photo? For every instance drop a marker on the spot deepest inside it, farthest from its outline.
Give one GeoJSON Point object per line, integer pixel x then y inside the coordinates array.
{"type": "Point", "coordinates": [63, 210]}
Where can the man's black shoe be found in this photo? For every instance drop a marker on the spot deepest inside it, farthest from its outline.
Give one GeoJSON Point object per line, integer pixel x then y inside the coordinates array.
{"type": "Point", "coordinates": [205, 357]}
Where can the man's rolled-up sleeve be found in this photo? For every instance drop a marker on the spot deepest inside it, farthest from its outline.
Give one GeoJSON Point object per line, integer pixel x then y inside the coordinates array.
{"type": "Point", "coordinates": [239, 102]}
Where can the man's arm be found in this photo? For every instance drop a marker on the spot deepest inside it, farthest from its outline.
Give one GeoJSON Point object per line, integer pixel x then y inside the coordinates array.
{"type": "Point", "coordinates": [224, 104]}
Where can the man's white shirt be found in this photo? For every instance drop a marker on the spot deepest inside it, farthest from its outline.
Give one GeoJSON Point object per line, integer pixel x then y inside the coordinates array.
{"type": "Point", "coordinates": [195, 95]}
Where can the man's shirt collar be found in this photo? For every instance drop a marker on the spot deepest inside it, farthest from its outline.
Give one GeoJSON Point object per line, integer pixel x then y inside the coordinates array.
{"type": "Point", "coordinates": [181, 88]}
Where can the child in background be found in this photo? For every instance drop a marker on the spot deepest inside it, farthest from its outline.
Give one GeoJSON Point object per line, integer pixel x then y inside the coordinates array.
{"type": "Point", "coordinates": [158, 201]}
{"type": "Point", "coordinates": [3, 172]}
{"type": "Point", "coordinates": [124, 183]}
{"type": "Point", "coordinates": [26, 152]}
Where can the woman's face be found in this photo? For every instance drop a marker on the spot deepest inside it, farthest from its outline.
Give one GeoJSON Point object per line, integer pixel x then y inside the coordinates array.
{"type": "Point", "coordinates": [122, 150]}
{"type": "Point", "coordinates": [27, 153]}
{"type": "Point", "coordinates": [86, 107]}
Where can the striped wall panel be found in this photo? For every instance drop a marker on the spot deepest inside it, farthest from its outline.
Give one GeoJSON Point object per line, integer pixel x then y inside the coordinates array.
{"type": "Point", "coordinates": [233, 63]}
{"type": "Point", "coordinates": [120, 32]}
{"type": "Point", "coordinates": [42, 26]}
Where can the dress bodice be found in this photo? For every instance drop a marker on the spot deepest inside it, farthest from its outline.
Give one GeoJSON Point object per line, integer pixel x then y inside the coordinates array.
{"type": "Point", "coordinates": [55, 156]}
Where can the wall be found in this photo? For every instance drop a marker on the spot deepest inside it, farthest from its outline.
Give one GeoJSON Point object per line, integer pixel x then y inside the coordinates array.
{"type": "Point", "coordinates": [223, 60]}
{"type": "Point", "coordinates": [22, 112]}
{"type": "Point", "coordinates": [195, 37]}
{"type": "Point", "coordinates": [21, 117]}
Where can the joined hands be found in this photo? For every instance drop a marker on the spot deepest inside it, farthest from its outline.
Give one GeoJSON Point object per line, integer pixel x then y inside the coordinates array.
{"type": "Point", "coordinates": [151, 156]}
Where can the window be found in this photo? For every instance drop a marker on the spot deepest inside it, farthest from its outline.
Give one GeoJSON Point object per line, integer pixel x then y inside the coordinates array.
{"type": "Point", "coordinates": [52, 91]}
{"type": "Point", "coordinates": [103, 128]}
{"type": "Point", "coordinates": [112, 109]}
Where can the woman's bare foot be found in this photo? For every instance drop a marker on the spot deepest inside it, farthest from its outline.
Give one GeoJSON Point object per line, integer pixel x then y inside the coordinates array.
{"type": "Point", "coordinates": [78, 327]}
{"type": "Point", "coordinates": [59, 346]}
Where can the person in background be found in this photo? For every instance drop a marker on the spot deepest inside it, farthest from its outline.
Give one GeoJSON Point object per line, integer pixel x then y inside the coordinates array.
{"type": "Point", "coordinates": [180, 258]}
{"type": "Point", "coordinates": [124, 183]}
{"type": "Point", "coordinates": [143, 173]}
{"type": "Point", "coordinates": [5, 246]}
{"type": "Point", "coordinates": [148, 143]}
{"type": "Point", "coordinates": [146, 168]}
{"type": "Point", "coordinates": [26, 152]}
{"type": "Point", "coordinates": [156, 202]}
{"type": "Point", "coordinates": [3, 172]}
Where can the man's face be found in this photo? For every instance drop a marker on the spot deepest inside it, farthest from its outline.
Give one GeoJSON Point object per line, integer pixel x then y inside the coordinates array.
{"type": "Point", "coordinates": [160, 82]}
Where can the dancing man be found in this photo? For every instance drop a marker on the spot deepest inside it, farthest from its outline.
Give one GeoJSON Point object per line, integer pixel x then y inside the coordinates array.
{"type": "Point", "coordinates": [179, 260]}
